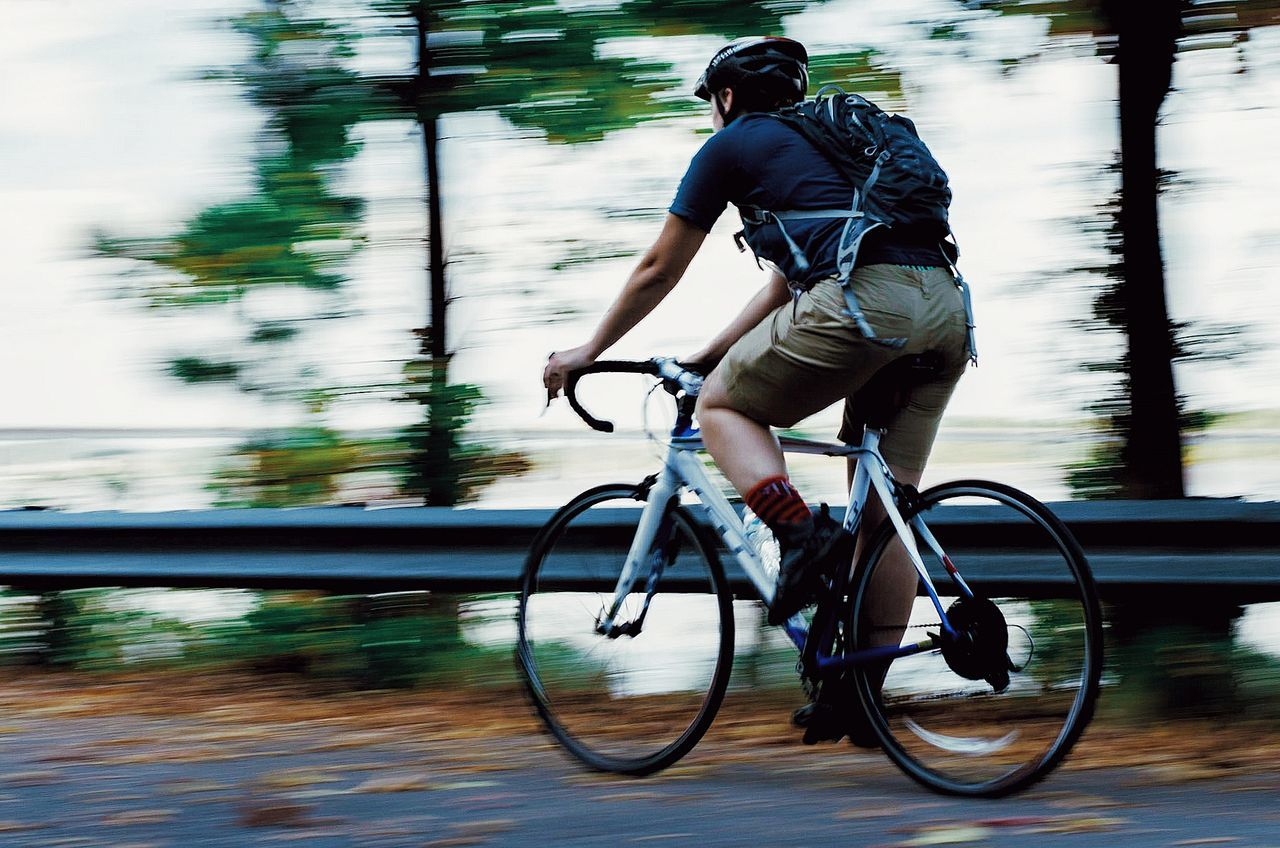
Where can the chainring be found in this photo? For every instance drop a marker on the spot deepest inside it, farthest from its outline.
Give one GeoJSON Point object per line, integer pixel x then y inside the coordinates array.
{"type": "Point", "coordinates": [980, 649]}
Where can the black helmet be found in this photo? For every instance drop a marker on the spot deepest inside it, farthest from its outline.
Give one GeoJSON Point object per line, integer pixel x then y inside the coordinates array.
{"type": "Point", "coordinates": [769, 61]}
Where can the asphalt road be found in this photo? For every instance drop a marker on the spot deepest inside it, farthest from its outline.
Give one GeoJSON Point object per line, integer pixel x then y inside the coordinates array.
{"type": "Point", "coordinates": [132, 781]}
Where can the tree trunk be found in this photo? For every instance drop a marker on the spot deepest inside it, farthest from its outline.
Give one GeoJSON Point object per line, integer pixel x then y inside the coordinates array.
{"type": "Point", "coordinates": [1153, 446]}
{"type": "Point", "coordinates": [437, 459]}
{"type": "Point", "coordinates": [434, 342]}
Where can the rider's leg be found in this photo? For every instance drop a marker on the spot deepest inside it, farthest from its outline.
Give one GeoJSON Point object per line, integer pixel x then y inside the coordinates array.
{"type": "Point", "coordinates": [893, 588]}
{"type": "Point", "coordinates": [748, 454]}
{"type": "Point", "coordinates": [745, 450]}
{"type": "Point", "coordinates": [800, 359]}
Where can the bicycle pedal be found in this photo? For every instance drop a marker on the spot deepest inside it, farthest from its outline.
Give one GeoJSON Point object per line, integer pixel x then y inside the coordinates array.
{"type": "Point", "coordinates": [820, 722]}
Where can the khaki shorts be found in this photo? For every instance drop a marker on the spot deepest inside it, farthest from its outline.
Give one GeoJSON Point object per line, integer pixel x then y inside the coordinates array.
{"type": "Point", "coordinates": [805, 356]}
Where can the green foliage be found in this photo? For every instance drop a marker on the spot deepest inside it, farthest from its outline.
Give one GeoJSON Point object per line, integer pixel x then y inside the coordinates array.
{"type": "Point", "coordinates": [444, 468]}
{"type": "Point", "coordinates": [1176, 670]}
{"type": "Point", "coordinates": [567, 72]}
{"type": "Point", "coordinates": [708, 17]}
{"type": "Point", "coordinates": [538, 65]}
{"type": "Point", "coordinates": [299, 467]}
{"type": "Point", "coordinates": [860, 70]}
{"type": "Point", "coordinates": [1069, 18]}
{"type": "Point", "coordinates": [1055, 634]}
{"type": "Point", "coordinates": [300, 75]}
{"type": "Point", "coordinates": [93, 630]}
{"type": "Point", "coordinates": [292, 229]}
{"type": "Point", "coordinates": [383, 641]}
{"type": "Point", "coordinates": [274, 332]}
{"type": "Point", "coordinates": [194, 369]}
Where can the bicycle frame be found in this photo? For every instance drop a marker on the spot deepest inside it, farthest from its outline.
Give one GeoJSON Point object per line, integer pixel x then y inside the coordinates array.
{"type": "Point", "coordinates": [683, 470]}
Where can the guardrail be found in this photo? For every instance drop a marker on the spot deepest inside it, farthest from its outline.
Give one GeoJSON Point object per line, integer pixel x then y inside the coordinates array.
{"type": "Point", "coordinates": [1198, 550]}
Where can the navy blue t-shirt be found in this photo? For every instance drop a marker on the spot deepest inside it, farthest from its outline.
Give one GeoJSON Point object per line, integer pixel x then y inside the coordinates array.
{"type": "Point", "coordinates": [759, 161]}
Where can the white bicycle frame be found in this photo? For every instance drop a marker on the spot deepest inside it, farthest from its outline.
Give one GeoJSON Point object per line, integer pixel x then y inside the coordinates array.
{"type": "Point", "coordinates": [683, 470]}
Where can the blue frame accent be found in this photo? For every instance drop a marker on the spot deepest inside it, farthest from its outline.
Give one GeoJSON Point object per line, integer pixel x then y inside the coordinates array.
{"type": "Point", "coordinates": [827, 664]}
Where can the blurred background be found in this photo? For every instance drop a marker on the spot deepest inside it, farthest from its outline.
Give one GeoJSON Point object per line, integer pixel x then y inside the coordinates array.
{"type": "Point", "coordinates": [283, 254]}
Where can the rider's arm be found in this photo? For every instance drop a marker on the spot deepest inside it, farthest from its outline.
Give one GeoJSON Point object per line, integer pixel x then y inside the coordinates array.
{"type": "Point", "coordinates": [774, 294]}
{"type": "Point", "coordinates": [656, 275]}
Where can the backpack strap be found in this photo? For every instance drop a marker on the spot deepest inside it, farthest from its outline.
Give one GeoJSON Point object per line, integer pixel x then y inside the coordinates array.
{"type": "Point", "coordinates": [846, 256]}
{"type": "Point", "coordinates": [855, 229]}
{"type": "Point", "coordinates": [881, 158]}
{"type": "Point", "coordinates": [951, 252]}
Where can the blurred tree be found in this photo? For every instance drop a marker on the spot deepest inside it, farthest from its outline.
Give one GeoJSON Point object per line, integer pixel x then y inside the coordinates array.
{"type": "Point", "coordinates": [555, 69]}
{"type": "Point", "coordinates": [562, 71]}
{"type": "Point", "coordinates": [1142, 40]}
{"type": "Point", "coordinates": [536, 65]}
{"type": "Point", "coordinates": [1102, 472]}
{"type": "Point", "coordinates": [272, 262]}
{"type": "Point", "coordinates": [1192, 668]}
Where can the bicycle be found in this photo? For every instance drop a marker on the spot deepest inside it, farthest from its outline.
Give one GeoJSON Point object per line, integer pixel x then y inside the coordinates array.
{"type": "Point", "coordinates": [980, 691]}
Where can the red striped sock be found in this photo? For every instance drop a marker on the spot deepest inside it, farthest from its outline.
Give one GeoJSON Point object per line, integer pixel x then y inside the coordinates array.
{"type": "Point", "coordinates": [777, 503]}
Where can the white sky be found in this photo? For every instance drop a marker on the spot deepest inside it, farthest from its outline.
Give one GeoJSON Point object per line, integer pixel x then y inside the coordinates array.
{"type": "Point", "coordinates": [103, 126]}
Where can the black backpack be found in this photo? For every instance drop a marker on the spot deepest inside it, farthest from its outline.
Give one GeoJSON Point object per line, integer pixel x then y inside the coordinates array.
{"type": "Point", "coordinates": [908, 188]}
{"type": "Point", "coordinates": [896, 183]}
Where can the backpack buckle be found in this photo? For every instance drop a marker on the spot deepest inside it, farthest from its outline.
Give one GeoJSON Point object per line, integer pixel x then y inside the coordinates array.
{"type": "Point", "coordinates": [739, 238]}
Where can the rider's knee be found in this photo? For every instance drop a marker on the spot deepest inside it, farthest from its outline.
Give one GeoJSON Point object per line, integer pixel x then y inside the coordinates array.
{"type": "Point", "coordinates": [711, 396]}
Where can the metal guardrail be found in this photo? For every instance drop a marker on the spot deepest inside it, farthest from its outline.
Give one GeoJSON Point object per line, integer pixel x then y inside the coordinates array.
{"type": "Point", "coordinates": [1195, 549]}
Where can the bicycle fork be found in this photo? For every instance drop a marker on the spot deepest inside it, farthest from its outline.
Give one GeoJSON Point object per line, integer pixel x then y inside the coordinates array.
{"type": "Point", "coordinates": [652, 548]}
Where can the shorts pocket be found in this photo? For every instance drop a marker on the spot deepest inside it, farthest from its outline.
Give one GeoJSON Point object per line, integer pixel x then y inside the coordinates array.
{"type": "Point", "coordinates": [889, 297]}
{"type": "Point", "coordinates": [891, 324]}
{"type": "Point", "coordinates": [889, 317]}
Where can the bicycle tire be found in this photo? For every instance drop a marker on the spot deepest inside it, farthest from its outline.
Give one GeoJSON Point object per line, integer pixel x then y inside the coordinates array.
{"type": "Point", "coordinates": [592, 726]}
{"type": "Point", "coordinates": [1025, 729]}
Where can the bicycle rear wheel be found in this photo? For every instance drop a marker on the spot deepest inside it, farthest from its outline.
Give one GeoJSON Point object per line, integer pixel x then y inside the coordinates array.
{"type": "Point", "coordinates": [996, 708]}
{"type": "Point", "coordinates": [635, 703]}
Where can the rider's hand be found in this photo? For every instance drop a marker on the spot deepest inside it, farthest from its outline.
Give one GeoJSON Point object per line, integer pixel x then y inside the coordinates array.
{"type": "Point", "coordinates": [560, 364]}
{"type": "Point", "coordinates": [702, 362]}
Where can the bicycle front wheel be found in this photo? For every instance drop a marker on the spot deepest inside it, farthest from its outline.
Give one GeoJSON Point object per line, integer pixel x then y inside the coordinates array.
{"type": "Point", "coordinates": [997, 706]}
{"type": "Point", "coordinates": [635, 700]}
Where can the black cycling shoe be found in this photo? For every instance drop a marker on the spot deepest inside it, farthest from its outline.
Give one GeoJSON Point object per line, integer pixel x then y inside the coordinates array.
{"type": "Point", "coordinates": [836, 713]}
{"type": "Point", "coordinates": [806, 553]}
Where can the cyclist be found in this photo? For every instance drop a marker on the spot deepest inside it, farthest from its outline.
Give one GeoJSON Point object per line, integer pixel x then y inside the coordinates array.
{"type": "Point", "coordinates": [794, 349]}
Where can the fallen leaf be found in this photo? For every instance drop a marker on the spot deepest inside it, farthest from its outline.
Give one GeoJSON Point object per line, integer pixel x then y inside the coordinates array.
{"type": "Point", "coordinates": [868, 813]}
{"type": "Point", "coordinates": [1081, 824]}
{"type": "Point", "coordinates": [630, 796]}
{"type": "Point", "coordinates": [949, 835]}
{"type": "Point", "coordinates": [404, 783]}
{"type": "Point", "coordinates": [130, 817]}
{"type": "Point", "coordinates": [275, 814]}
{"type": "Point", "coordinates": [32, 778]}
{"type": "Point", "coordinates": [468, 784]}
{"type": "Point", "coordinates": [294, 779]}
{"type": "Point", "coordinates": [486, 827]}
{"type": "Point", "coordinates": [1085, 802]}
{"type": "Point", "coordinates": [189, 787]}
